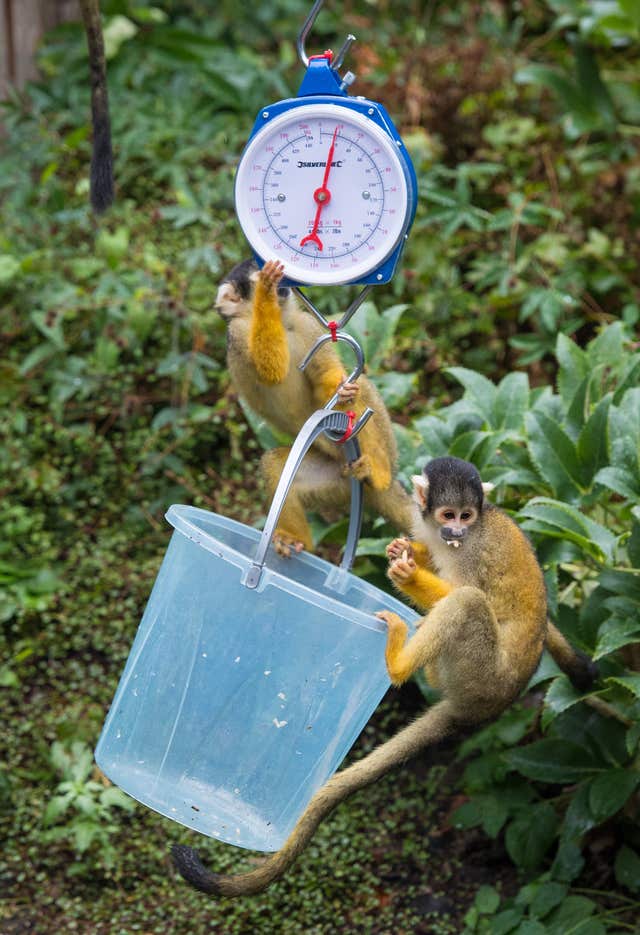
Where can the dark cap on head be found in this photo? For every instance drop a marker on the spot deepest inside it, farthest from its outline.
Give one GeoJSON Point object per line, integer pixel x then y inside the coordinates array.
{"type": "Point", "coordinates": [240, 277]}
{"type": "Point", "coordinates": [453, 481]}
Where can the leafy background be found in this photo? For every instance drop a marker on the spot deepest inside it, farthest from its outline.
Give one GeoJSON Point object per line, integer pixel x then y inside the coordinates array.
{"type": "Point", "coordinates": [509, 337]}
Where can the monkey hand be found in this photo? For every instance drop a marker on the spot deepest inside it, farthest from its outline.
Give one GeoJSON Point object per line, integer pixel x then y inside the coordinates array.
{"type": "Point", "coordinates": [402, 570]}
{"type": "Point", "coordinates": [271, 274]}
{"type": "Point", "coordinates": [393, 621]}
{"type": "Point", "coordinates": [395, 548]}
{"type": "Point", "coordinates": [347, 392]}
{"type": "Point", "coordinates": [284, 543]}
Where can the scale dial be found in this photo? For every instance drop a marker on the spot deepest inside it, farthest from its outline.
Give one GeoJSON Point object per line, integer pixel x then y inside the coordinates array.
{"type": "Point", "coordinates": [323, 189]}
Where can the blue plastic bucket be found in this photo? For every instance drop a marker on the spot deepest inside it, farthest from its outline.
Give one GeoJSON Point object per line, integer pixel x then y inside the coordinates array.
{"type": "Point", "coordinates": [237, 704]}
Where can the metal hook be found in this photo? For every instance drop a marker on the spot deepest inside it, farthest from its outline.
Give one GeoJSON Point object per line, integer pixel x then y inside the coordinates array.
{"type": "Point", "coordinates": [306, 29]}
{"type": "Point", "coordinates": [353, 308]}
{"type": "Point", "coordinates": [355, 373]}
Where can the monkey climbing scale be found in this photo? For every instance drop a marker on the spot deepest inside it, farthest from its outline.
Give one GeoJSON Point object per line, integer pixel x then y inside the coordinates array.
{"type": "Point", "coordinates": [251, 675]}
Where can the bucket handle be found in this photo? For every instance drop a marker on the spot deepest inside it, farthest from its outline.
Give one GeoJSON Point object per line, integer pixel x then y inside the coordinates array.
{"type": "Point", "coordinates": [335, 424]}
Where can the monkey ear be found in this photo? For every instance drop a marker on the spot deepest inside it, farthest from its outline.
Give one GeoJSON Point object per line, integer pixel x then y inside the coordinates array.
{"type": "Point", "coordinates": [420, 489]}
{"type": "Point", "coordinates": [487, 487]}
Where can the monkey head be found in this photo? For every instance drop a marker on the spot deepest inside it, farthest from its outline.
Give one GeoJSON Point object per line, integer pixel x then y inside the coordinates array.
{"type": "Point", "coordinates": [236, 290]}
{"type": "Point", "coordinates": [450, 495]}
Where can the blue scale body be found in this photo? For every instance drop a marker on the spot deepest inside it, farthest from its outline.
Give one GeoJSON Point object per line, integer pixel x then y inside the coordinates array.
{"type": "Point", "coordinates": [322, 85]}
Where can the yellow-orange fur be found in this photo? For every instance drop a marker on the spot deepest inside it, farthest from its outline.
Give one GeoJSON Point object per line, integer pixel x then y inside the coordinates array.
{"type": "Point", "coordinates": [268, 336]}
{"type": "Point", "coordinates": [482, 638]}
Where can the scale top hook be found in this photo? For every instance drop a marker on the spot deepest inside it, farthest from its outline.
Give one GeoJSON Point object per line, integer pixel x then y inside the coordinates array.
{"type": "Point", "coordinates": [306, 29]}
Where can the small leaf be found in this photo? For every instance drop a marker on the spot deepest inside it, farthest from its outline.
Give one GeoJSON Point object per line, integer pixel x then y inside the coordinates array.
{"type": "Point", "coordinates": [627, 868]}
{"type": "Point", "coordinates": [630, 682]}
{"type": "Point", "coordinates": [56, 807]}
{"type": "Point", "coordinates": [633, 738]}
{"type": "Point", "coordinates": [572, 913]}
{"type": "Point", "coordinates": [114, 797]}
{"type": "Point", "coordinates": [560, 695]}
{"type": "Point", "coordinates": [532, 927]}
{"type": "Point", "coordinates": [546, 897]}
{"type": "Point", "coordinates": [609, 792]}
{"type": "Point", "coordinates": [528, 838]}
{"type": "Point", "coordinates": [615, 633]}
{"type": "Point", "coordinates": [507, 921]}
{"type": "Point", "coordinates": [569, 862]}
{"type": "Point", "coordinates": [487, 900]}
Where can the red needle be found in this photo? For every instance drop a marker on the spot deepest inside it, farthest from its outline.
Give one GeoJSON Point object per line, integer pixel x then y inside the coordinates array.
{"type": "Point", "coordinates": [322, 197]}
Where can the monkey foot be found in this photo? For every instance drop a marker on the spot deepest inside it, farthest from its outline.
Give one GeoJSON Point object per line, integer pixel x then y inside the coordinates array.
{"type": "Point", "coordinates": [347, 392]}
{"type": "Point", "coordinates": [284, 543]}
{"type": "Point", "coordinates": [360, 468]}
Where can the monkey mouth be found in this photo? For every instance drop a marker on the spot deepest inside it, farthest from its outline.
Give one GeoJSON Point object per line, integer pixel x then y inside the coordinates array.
{"type": "Point", "coordinates": [456, 543]}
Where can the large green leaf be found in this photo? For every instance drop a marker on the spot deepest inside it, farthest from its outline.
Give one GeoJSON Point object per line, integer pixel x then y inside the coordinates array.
{"type": "Point", "coordinates": [593, 441]}
{"type": "Point", "coordinates": [552, 760]}
{"type": "Point", "coordinates": [573, 370]}
{"type": "Point", "coordinates": [559, 520]}
{"type": "Point", "coordinates": [624, 435]}
{"type": "Point", "coordinates": [620, 481]}
{"type": "Point", "coordinates": [554, 455]}
{"type": "Point", "coordinates": [481, 391]}
{"type": "Point", "coordinates": [374, 331]}
{"type": "Point", "coordinates": [616, 632]}
{"type": "Point", "coordinates": [511, 401]}
{"type": "Point", "coordinates": [435, 435]}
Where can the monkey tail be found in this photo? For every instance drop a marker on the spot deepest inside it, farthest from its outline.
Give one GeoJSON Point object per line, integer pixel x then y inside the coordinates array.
{"type": "Point", "coordinates": [582, 670]}
{"type": "Point", "coordinates": [102, 154]}
{"type": "Point", "coordinates": [432, 726]}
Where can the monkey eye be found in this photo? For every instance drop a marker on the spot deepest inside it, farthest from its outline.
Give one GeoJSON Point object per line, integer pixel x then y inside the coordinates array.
{"type": "Point", "coordinates": [449, 514]}
{"type": "Point", "coordinates": [466, 515]}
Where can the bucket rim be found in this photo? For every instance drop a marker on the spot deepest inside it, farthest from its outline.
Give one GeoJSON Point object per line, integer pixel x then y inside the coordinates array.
{"type": "Point", "coordinates": [181, 517]}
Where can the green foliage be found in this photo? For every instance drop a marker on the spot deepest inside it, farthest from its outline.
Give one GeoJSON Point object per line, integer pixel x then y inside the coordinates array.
{"type": "Point", "coordinates": [574, 454]}
{"type": "Point", "coordinates": [81, 808]}
{"type": "Point", "coordinates": [115, 403]}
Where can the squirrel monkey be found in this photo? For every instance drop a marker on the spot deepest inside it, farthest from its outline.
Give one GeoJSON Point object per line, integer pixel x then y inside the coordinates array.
{"type": "Point", "coordinates": [479, 644]}
{"type": "Point", "coordinates": [102, 155]}
{"type": "Point", "coordinates": [268, 334]}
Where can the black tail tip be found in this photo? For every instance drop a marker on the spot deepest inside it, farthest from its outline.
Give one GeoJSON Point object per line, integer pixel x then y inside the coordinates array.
{"type": "Point", "coordinates": [584, 673]}
{"type": "Point", "coordinates": [191, 868]}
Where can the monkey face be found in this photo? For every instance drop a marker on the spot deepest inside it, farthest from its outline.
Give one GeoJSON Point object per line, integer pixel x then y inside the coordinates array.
{"type": "Point", "coordinates": [455, 522]}
{"type": "Point", "coordinates": [450, 495]}
{"type": "Point", "coordinates": [229, 303]}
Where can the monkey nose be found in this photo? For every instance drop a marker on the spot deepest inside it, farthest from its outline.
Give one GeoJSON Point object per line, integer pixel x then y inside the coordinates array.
{"type": "Point", "coordinates": [453, 533]}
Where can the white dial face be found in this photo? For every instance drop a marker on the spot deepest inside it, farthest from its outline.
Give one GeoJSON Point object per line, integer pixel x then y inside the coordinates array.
{"type": "Point", "coordinates": [322, 188]}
